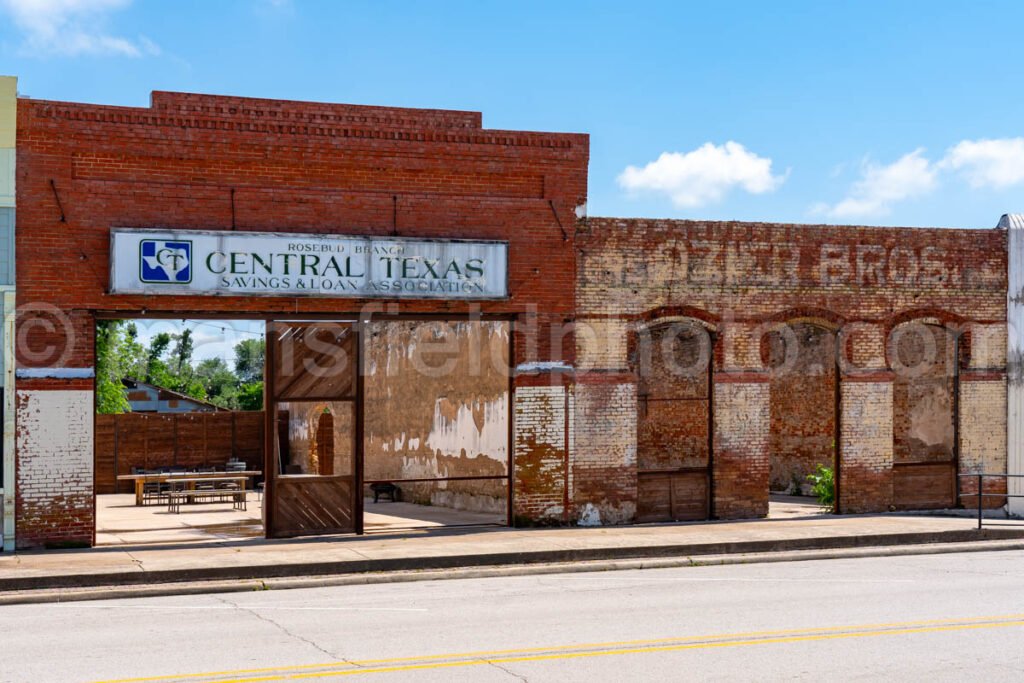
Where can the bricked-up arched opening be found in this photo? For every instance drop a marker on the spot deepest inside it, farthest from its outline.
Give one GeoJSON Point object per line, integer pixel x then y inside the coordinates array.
{"type": "Point", "coordinates": [674, 422]}
{"type": "Point", "coordinates": [325, 443]}
{"type": "Point", "coordinates": [803, 394]}
{"type": "Point", "coordinates": [924, 359]}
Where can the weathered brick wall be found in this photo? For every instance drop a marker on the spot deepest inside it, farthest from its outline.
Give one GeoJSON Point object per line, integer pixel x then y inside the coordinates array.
{"type": "Point", "coordinates": [983, 438]}
{"type": "Point", "coordinates": [55, 484]}
{"type": "Point", "coordinates": [604, 457]}
{"type": "Point", "coordinates": [745, 279]}
{"type": "Point", "coordinates": [742, 420]}
{"type": "Point", "coordinates": [983, 413]}
{"type": "Point", "coordinates": [202, 162]}
{"type": "Point", "coordinates": [866, 446]}
{"type": "Point", "coordinates": [226, 163]}
{"type": "Point", "coordinates": [541, 454]}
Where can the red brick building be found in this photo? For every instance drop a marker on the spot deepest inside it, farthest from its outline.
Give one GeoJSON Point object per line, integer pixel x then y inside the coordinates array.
{"type": "Point", "coordinates": [661, 369]}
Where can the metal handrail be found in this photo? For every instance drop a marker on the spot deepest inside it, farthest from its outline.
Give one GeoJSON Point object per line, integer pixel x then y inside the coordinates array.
{"type": "Point", "coordinates": [981, 493]}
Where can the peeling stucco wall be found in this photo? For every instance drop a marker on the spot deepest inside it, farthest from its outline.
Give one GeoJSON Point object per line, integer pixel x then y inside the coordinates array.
{"type": "Point", "coordinates": [437, 405]}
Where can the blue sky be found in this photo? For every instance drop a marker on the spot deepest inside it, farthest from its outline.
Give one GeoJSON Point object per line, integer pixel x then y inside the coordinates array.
{"type": "Point", "coordinates": [211, 338]}
{"type": "Point", "coordinates": [882, 113]}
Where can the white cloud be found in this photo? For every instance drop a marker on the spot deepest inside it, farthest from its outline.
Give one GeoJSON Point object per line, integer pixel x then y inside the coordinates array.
{"type": "Point", "coordinates": [704, 175]}
{"type": "Point", "coordinates": [881, 186]}
{"type": "Point", "coordinates": [73, 27]}
{"type": "Point", "coordinates": [995, 163]}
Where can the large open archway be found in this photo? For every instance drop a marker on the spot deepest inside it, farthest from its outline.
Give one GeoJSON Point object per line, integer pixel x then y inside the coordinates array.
{"type": "Point", "coordinates": [803, 406]}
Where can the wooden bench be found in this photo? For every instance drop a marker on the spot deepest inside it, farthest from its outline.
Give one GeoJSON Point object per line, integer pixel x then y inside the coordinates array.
{"type": "Point", "coordinates": [204, 490]}
{"type": "Point", "coordinates": [237, 497]}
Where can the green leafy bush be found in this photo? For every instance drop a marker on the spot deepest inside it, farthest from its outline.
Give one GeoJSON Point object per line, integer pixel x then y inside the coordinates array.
{"type": "Point", "coordinates": [823, 486]}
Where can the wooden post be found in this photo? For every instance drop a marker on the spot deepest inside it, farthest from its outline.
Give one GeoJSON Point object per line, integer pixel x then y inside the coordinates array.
{"type": "Point", "coordinates": [269, 429]}
{"type": "Point", "coordinates": [145, 442]}
{"type": "Point", "coordinates": [357, 507]}
{"type": "Point", "coordinates": [117, 429]}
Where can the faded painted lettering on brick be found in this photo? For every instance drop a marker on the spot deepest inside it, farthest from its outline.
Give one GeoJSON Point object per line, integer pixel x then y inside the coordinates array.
{"type": "Point", "coordinates": [227, 263]}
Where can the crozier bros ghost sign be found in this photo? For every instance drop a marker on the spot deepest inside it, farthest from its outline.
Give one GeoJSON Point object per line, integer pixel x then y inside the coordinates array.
{"type": "Point", "coordinates": [275, 264]}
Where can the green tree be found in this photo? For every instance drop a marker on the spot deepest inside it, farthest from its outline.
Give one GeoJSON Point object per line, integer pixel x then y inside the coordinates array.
{"type": "Point", "coordinates": [169, 364]}
{"type": "Point", "coordinates": [156, 368]}
{"type": "Point", "coordinates": [219, 382]}
{"type": "Point", "coordinates": [110, 395]}
{"type": "Point", "coordinates": [250, 356]}
{"type": "Point", "coordinates": [181, 354]}
{"type": "Point", "coordinates": [158, 346]}
{"type": "Point", "coordinates": [119, 355]}
{"type": "Point", "coordinates": [250, 396]}
{"type": "Point", "coordinates": [132, 353]}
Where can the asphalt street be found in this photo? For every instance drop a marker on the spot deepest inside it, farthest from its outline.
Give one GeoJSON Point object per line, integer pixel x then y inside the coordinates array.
{"type": "Point", "coordinates": [935, 618]}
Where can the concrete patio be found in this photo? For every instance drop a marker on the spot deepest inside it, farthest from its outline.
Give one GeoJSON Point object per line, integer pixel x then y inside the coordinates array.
{"type": "Point", "coordinates": [120, 522]}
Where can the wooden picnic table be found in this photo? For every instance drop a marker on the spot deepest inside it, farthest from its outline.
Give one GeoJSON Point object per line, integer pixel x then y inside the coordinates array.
{"type": "Point", "coordinates": [187, 478]}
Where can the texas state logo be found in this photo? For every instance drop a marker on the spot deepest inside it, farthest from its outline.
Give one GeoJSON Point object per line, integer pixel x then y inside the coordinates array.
{"type": "Point", "coordinates": [164, 261]}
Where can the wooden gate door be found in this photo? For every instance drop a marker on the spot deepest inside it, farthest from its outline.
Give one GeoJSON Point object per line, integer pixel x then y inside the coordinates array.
{"type": "Point", "coordinates": [314, 479]}
{"type": "Point", "coordinates": [674, 424]}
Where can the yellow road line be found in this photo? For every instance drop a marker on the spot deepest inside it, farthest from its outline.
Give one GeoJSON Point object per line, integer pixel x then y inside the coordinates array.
{"type": "Point", "coordinates": [627, 651]}
{"type": "Point", "coordinates": [590, 650]}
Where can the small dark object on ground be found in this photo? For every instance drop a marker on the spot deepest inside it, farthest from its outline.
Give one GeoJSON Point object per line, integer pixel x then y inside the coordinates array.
{"type": "Point", "coordinates": [386, 489]}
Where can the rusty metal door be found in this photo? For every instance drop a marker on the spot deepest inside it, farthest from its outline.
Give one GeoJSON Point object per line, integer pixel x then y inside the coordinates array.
{"type": "Point", "coordinates": [314, 479]}
{"type": "Point", "coordinates": [674, 475]}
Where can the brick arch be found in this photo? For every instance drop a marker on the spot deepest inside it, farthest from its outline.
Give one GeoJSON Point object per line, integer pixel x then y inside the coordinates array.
{"type": "Point", "coordinates": [657, 315]}
{"type": "Point", "coordinates": [950, 322]}
{"type": "Point", "coordinates": [667, 315]}
{"type": "Point", "coordinates": [929, 315]}
{"type": "Point", "coordinates": [832, 325]}
{"type": "Point", "coordinates": [820, 317]}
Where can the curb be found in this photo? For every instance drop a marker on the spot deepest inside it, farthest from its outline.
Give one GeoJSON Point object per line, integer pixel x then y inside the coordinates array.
{"type": "Point", "coordinates": [150, 590]}
{"type": "Point", "coordinates": [451, 562]}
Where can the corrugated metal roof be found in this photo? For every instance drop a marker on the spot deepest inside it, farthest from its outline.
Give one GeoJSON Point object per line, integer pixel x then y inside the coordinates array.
{"type": "Point", "coordinates": [1012, 220]}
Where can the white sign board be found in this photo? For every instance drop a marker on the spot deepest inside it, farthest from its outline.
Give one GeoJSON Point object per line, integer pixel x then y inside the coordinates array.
{"type": "Point", "coordinates": [196, 262]}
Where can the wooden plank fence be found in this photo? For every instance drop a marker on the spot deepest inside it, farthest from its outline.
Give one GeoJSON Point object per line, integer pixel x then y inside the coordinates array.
{"type": "Point", "coordinates": [154, 440]}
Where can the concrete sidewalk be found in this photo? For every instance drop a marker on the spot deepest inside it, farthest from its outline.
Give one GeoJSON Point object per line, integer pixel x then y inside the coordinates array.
{"type": "Point", "coordinates": [433, 549]}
